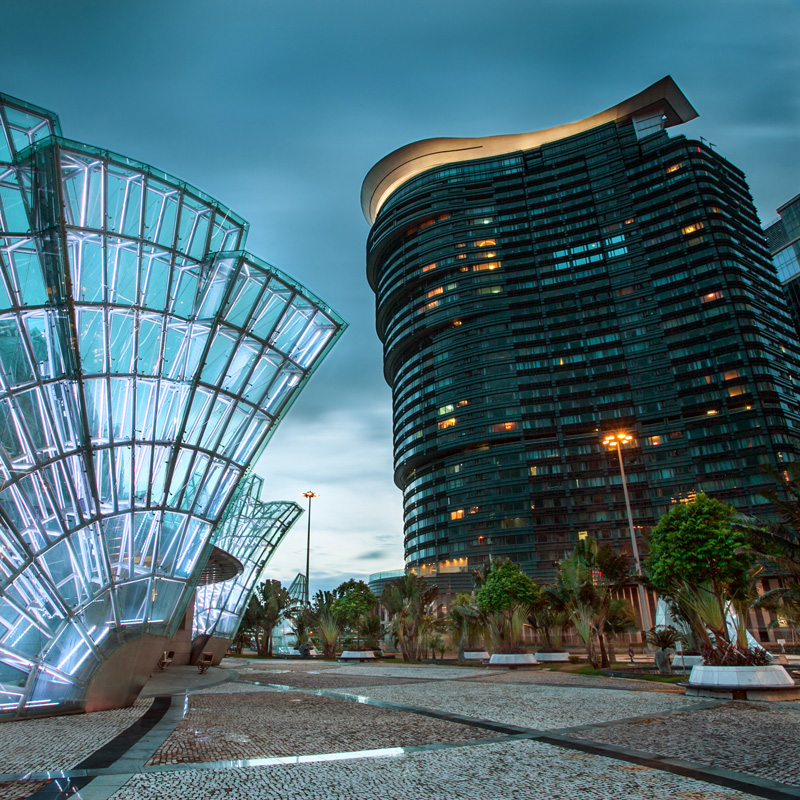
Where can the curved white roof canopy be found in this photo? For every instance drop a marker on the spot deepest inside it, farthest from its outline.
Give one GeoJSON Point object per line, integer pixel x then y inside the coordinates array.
{"type": "Point", "coordinates": [395, 169]}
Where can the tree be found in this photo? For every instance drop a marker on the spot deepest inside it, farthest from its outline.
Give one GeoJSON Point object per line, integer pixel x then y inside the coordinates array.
{"type": "Point", "coordinates": [588, 583]}
{"type": "Point", "coordinates": [465, 620]}
{"type": "Point", "coordinates": [506, 596]}
{"type": "Point", "coordinates": [407, 601]}
{"type": "Point", "coordinates": [698, 543]}
{"type": "Point", "coordinates": [271, 604]}
{"type": "Point", "coordinates": [327, 622]}
{"type": "Point", "coordinates": [354, 600]}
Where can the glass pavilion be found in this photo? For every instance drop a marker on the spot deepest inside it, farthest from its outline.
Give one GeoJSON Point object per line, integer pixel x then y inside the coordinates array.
{"type": "Point", "coordinates": [145, 359]}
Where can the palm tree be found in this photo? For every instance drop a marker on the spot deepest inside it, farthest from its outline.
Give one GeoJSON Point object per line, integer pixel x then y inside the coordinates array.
{"type": "Point", "coordinates": [270, 605]}
{"type": "Point", "coordinates": [327, 623]}
{"type": "Point", "coordinates": [467, 623]}
{"type": "Point", "coordinates": [407, 600]}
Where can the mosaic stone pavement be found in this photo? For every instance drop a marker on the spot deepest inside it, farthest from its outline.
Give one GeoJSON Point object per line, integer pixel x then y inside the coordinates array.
{"type": "Point", "coordinates": [320, 730]}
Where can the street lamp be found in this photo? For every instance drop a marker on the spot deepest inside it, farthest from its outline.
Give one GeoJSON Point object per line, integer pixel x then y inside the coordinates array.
{"type": "Point", "coordinates": [310, 496]}
{"type": "Point", "coordinates": [617, 440]}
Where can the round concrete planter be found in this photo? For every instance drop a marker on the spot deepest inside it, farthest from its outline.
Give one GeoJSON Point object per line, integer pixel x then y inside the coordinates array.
{"type": "Point", "coordinates": [512, 660]}
{"type": "Point", "coordinates": [689, 662]}
{"type": "Point", "coordinates": [357, 655]}
{"type": "Point", "coordinates": [743, 683]}
{"type": "Point", "coordinates": [542, 657]}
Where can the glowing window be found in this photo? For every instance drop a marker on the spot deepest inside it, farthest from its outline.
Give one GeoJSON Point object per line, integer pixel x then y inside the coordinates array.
{"type": "Point", "coordinates": [711, 296]}
{"type": "Point", "coordinates": [434, 292]}
{"type": "Point", "coordinates": [474, 509]}
{"type": "Point", "coordinates": [446, 409]}
{"type": "Point", "coordinates": [734, 391]}
{"type": "Point", "coordinates": [654, 440]}
{"type": "Point", "coordinates": [711, 412]}
{"type": "Point", "coordinates": [461, 255]}
{"type": "Point", "coordinates": [674, 167]}
{"type": "Point", "coordinates": [486, 243]}
{"type": "Point", "coordinates": [447, 423]}
{"type": "Point", "coordinates": [583, 535]}
{"type": "Point", "coordinates": [429, 306]}
{"type": "Point", "coordinates": [462, 403]}
{"type": "Point", "coordinates": [429, 267]}
{"type": "Point", "coordinates": [488, 265]}
{"type": "Point", "coordinates": [731, 374]}
{"type": "Point", "coordinates": [693, 228]}
{"type": "Point", "coordinates": [501, 427]}
{"type": "Point", "coordinates": [490, 290]}
{"type": "Point", "coordinates": [457, 514]}
{"type": "Point", "coordinates": [630, 220]}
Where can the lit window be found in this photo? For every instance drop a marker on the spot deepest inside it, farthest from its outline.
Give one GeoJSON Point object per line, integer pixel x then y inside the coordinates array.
{"type": "Point", "coordinates": [474, 509]}
{"type": "Point", "coordinates": [490, 290]}
{"type": "Point", "coordinates": [731, 374]}
{"type": "Point", "coordinates": [630, 220]}
{"type": "Point", "coordinates": [708, 378]}
{"type": "Point", "coordinates": [488, 265]}
{"type": "Point", "coordinates": [693, 228]}
{"type": "Point", "coordinates": [500, 427]}
{"type": "Point", "coordinates": [462, 403]}
{"type": "Point", "coordinates": [711, 412]}
{"type": "Point", "coordinates": [715, 210]}
{"type": "Point", "coordinates": [446, 409]}
{"type": "Point", "coordinates": [486, 243]}
{"type": "Point", "coordinates": [489, 254]}
{"type": "Point", "coordinates": [443, 217]}
{"type": "Point", "coordinates": [461, 255]}
{"type": "Point", "coordinates": [429, 306]}
{"type": "Point", "coordinates": [534, 470]}
{"type": "Point", "coordinates": [457, 514]}
{"type": "Point", "coordinates": [456, 323]}
{"type": "Point", "coordinates": [674, 167]}
{"type": "Point", "coordinates": [654, 440]}
{"type": "Point", "coordinates": [734, 391]}
{"type": "Point", "coordinates": [711, 296]}
{"type": "Point", "coordinates": [429, 267]}
{"type": "Point", "coordinates": [461, 244]}
{"type": "Point", "coordinates": [447, 423]}
{"type": "Point", "coordinates": [434, 292]}
{"type": "Point", "coordinates": [583, 535]}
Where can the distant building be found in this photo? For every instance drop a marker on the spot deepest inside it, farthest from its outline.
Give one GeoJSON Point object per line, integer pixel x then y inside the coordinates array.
{"type": "Point", "coordinates": [538, 291]}
{"type": "Point", "coordinates": [783, 239]}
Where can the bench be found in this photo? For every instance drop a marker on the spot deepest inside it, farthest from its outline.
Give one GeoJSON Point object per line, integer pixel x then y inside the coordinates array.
{"type": "Point", "coordinates": [357, 655]}
{"type": "Point", "coordinates": [166, 659]}
{"type": "Point", "coordinates": [204, 662]}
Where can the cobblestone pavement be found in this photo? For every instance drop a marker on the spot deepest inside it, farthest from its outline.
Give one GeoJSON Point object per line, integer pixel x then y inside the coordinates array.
{"type": "Point", "coordinates": [61, 742]}
{"type": "Point", "coordinates": [385, 731]}
{"type": "Point", "coordinates": [524, 770]}
{"type": "Point", "coordinates": [228, 727]}
{"type": "Point", "coordinates": [531, 706]}
{"type": "Point", "coordinates": [18, 790]}
{"type": "Point", "coordinates": [758, 738]}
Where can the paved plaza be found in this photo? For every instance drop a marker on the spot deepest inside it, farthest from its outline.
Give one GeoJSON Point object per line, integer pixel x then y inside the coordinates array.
{"type": "Point", "coordinates": [327, 731]}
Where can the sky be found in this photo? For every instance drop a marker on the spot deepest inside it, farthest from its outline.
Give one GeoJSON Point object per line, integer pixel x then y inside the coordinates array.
{"type": "Point", "coordinates": [279, 110]}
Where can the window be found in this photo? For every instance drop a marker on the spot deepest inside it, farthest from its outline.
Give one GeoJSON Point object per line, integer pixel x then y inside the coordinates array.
{"type": "Point", "coordinates": [674, 167]}
{"type": "Point", "coordinates": [490, 290]}
{"type": "Point", "coordinates": [434, 292]}
{"type": "Point", "coordinates": [462, 403]}
{"type": "Point", "coordinates": [473, 509]}
{"type": "Point", "coordinates": [654, 440]}
{"type": "Point", "coordinates": [731, 374]}
{"type": "Point", "coordinates": [489, 265]}
{"type": "Point", "coordinates": [693, 228]}
{"type": "Point", "coordinates": [485, 243]}
{"type": "Point", "coordinates": [447, 423]}
{"type": "Point", "coordinates": [735, 391]}
{"type": "Point", "coordinates": [501, 427]}
{"type": "Point", "coordinates": [457, 514]}
{"type": "Point", "coordinates": [446, 409]}
{"type": "Point", "coordinates": [429, 267]}
{"type": "Point", "coordinates": [711, 296]}
{"type": "Point", "coordinates": [429, 306]}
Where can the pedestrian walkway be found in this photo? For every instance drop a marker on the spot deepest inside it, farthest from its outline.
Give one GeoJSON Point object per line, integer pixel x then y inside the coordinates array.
{"type": "Point", "coordinates": [312, 729]}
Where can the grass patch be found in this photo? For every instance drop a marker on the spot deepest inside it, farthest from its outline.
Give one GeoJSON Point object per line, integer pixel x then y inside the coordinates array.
{"type": "Point", "coordinates": [662, 678]}
{"type": "Point", "coordinates": [588, 669]}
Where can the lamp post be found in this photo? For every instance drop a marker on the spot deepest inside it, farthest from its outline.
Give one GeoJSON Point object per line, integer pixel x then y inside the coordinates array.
{"type": "Point", "coordinates": [310, 496]}
{"type": "Point", "coordinates": [617, 440]}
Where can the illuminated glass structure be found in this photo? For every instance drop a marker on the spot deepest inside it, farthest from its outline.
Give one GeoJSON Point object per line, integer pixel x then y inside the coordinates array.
{"type": "Point", "coordinates": [250, 532]}
{"type": "Point", "coordinates": [537, 291]}
{"type": "Point", "coordinates": [144, 361]}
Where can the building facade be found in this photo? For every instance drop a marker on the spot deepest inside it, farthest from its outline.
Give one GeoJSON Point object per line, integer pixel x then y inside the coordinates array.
{"type": "Point", "coordinates": [145, 359]}
{"type": "Point", "coordinates": [783, 240]}
{"type": "Point", "coordinates": [536, 292]}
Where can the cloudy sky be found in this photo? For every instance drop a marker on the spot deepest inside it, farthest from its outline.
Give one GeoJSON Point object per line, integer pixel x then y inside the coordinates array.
{"type": "Point", "coordinates": [279, 109]}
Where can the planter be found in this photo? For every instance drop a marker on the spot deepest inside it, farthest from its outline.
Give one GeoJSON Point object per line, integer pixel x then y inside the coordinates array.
{"type": "Point", "coordinates": [513, 660]}
{"type": "Point", "coordinates": [357, 655]}
{"type": "Point", "coordinates": [688, 661]}
{"type": "Point", "coordinates": [542, 657]}
{"type": "Point", "coordinates": [742, 683]}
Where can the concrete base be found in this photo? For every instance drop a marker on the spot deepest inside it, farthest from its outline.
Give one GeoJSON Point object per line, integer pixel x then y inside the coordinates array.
{"type": "Point", "coordinates": [543, 657]}
{"type": "Point", "coordinates": [513, 660]}
{"type": "Point", "coordinates": [742, 683]}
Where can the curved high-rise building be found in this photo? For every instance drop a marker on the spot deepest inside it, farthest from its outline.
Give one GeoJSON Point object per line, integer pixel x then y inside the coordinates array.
{"type": "Point", "coordinates": [145, 359]}
{"type": "Point", "coordinates": [538, 291]}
